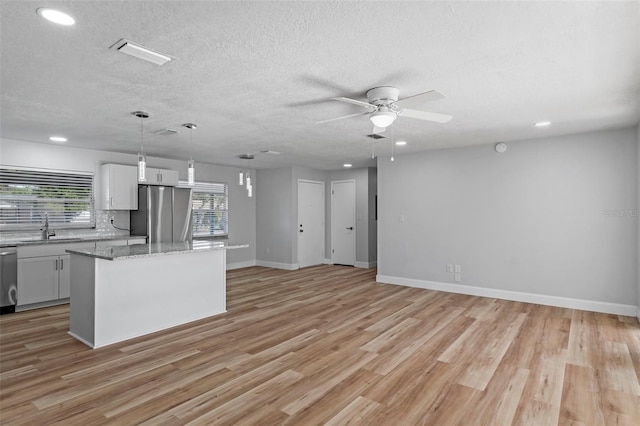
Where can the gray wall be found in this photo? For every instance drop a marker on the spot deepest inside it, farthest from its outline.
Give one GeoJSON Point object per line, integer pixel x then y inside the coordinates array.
{"type": "Point", "coordinates": [277, 219]}
{"type": "Point", "coordinates": [546, 217]}
{"type": "Point", "coordinates": [274, 201]}
{"type": "Point", "coordinates": [638, 263]}
{"type": "Point", "coordinates": [242, 210]}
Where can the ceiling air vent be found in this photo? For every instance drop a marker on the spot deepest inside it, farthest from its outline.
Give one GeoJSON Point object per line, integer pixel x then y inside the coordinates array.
{"type": "Point", "coordinates": [376, 136]}
{"type": "Point", "coordinates": [165, 132]}
{"type": "Point", "coordinates": [138, 51]}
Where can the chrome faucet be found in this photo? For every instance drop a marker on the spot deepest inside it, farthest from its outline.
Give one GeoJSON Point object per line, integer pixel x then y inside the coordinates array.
{"type": "Point", "coordinates": [45, 229]}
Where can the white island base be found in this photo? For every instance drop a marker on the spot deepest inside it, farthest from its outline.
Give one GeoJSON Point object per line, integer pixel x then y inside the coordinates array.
{"type": "Point", "coordinates": [119, 299]}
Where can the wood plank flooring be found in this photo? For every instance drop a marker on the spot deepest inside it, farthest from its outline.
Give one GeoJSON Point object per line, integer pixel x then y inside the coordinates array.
{"type": "Point", "coordinates": [329, 345]}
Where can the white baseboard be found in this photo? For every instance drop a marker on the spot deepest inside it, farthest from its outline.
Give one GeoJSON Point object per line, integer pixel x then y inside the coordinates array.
{"type": "Point", "coordinates": [366, 265]}
{"type": "Point", "coordinates": [540, 299]}
{"type": "Point", "coordinates": [238, 265]}
{"type": "Point", "coordinates": [278, 265]}
{"type": "Point", "coordinates": [328, 262]}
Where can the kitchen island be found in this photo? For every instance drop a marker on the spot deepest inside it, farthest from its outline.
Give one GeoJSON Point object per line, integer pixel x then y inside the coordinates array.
{"type": "Point", "coordinates": [122, 292]}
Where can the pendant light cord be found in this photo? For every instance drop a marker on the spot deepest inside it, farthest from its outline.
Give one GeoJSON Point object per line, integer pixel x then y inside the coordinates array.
{"type": "Point", "coordinates": [142, 134]}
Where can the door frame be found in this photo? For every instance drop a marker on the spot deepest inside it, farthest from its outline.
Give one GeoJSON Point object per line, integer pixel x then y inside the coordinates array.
{"type": "Point", "coordinates": [355, 227]}
{"type": "Point", "coordinates": [324, 196]}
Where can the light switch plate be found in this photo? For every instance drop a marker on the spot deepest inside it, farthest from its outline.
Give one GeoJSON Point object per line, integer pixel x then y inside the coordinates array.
{"type": "Point", "coordinates": [449, 267]}
{"type": "Point", "coordinates": [457, 277]}
{"type": "Point", "coordinates": [458, 268]}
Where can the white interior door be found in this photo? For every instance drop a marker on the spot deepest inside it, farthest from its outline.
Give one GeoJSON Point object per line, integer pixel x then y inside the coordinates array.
{"type": "Point", "coordinates": [343, 222]}
{"type": "Point", "coordinates": [310, 223]}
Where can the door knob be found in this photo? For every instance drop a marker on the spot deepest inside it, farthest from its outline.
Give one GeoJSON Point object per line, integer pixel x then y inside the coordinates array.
{"type": "Point", "coordinates": [350, 228]}
{"type": "Point", "coordinates": [302, 230]}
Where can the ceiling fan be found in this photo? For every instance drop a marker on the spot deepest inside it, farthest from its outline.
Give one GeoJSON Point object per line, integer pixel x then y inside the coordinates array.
{"type": "Point", "coordinates": [384, 107]}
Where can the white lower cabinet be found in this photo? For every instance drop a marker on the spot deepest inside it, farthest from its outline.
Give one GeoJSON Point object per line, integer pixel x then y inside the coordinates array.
{"type": "Point", "coordinates": [44, 270]}
{"type": "Point", "coordinates": [42, 279]}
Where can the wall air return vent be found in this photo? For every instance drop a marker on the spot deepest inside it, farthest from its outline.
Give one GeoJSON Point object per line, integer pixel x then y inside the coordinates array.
{"type": "Point", "coordinates": [138, 51]}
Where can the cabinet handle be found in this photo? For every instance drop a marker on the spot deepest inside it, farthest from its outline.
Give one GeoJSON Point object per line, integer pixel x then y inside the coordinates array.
{"type": "Point", "coordinates": [111, 201]}
{"type": "Point", "coordinates": [61, 264]}
{"type": "Point", "coordinates": [56, 264]}
{"type": "Point", "coordinates": [160, 177]}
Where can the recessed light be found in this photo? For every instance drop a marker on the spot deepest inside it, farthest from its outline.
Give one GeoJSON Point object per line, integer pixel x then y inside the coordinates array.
{"type": "Point", "coordinates": [347, 165]}
{"type": "Point", "coordinates": [401, 143]}
{"type": "Point", "coordinates": [542, 123]}
{"type": "Point", "coordinates": [56, 16]}
{"type": "Point", "coordinates": [58, 139]}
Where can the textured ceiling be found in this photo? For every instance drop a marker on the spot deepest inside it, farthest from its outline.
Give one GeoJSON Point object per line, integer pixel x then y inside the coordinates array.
{"type": "Point", "coordinates": [257, 75]}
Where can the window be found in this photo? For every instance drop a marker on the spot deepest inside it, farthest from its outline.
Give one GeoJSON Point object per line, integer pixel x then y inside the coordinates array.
{"type": "Point", "coordinates": [210, 209]}
{"type": "Point", "coordinates": [26, 195]}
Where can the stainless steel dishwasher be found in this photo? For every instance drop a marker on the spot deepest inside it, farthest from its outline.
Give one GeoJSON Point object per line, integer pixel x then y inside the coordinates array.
{"type": "Point", "coordinates": [8, 280]}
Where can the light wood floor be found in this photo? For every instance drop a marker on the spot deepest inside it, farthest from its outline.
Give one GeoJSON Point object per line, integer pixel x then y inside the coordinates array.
{"type": "Point", "coordinates": [329, 345]}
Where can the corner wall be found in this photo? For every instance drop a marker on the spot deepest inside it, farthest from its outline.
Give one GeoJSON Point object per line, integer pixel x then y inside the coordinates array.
{"type": "Point", "coordinates": [547, 221]}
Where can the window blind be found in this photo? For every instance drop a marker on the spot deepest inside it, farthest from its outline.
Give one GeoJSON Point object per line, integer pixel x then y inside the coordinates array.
{"type": "Point", "coordinates": [26, 195]}
{"type": "Point", "coordinates": [210, 208]}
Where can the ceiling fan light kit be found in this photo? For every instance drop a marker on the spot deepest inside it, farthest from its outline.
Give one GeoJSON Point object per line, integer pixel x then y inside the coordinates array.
{"type": "Point", "coordinates": [383, 117]}
{"type": "Point", "coordinates": [383, 107]}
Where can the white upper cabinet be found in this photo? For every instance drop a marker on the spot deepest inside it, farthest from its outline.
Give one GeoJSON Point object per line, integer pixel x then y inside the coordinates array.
{"type": "Point", "coordinates": [119, 187]}
{"type": "Point", "coordinates": [161, 177]}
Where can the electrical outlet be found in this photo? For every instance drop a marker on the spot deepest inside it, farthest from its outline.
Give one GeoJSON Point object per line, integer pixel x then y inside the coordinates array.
{"type": "Point", "coordinates": [449, 267]}
{"type": "Point", "coordinates": [458, 269]}
{"type": "Point", "coordinates": [457, 277]}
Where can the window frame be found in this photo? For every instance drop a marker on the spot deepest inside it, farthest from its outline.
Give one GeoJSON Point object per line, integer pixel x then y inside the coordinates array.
{"type": "Point", "coordinates": [26, 211]}
{"type": "Point", "coordinates": [213, 189]}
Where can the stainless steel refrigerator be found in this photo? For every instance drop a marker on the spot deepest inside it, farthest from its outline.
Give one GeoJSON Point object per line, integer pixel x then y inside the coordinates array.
{"type": "Point", "coordinates": [163, 215]}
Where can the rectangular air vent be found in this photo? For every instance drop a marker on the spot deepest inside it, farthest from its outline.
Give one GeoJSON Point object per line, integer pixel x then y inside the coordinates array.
{"type": "Point", "coordinates": [138, 51]}
{"type": "Point", "coordinates": [376, 136]}
{"type": "Point", "coordinates": [166, 132]}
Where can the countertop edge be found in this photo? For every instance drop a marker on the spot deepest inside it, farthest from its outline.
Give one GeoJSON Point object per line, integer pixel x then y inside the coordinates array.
{"type": "Point", "coordinates": [169, 253]}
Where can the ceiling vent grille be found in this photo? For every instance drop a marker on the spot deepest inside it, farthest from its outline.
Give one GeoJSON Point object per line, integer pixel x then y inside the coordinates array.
{"type": "Point", "coordinates": [376, 136]}
{"type": "Point", "coordinates": [165, 132]}
{"type": "Point", "coordinates": [138, 51]}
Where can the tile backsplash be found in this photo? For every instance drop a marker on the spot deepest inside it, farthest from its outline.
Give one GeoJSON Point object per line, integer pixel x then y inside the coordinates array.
{"type": "Point", "coordinates": [103, 228]}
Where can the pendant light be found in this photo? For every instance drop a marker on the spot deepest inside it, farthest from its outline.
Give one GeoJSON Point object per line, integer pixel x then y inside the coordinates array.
{"type": "Point", "coordinates": [142, 159]}
{"type": "Point", "coordinates": [191, 168]}
{"type": "Point", "coordinates": [246, 177]}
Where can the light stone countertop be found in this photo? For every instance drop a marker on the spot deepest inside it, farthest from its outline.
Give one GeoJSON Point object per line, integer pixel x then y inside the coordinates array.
{"type": "Point", "coordinates": [6, 242]}
{"type": "Point", "coordinates": [156, 249]}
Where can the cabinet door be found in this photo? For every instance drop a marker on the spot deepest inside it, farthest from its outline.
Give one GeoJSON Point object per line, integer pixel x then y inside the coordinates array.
{"type": "Point", "coordinates": [123, 187]}
{"type": "Point", "coordinates": [153, 177]}
{"type": "Point", "coordinates": [64, 276]}
{"type": "Point", "coordinates": [37, 279]}
{"type": "Point", "coordinates": [168, 177]}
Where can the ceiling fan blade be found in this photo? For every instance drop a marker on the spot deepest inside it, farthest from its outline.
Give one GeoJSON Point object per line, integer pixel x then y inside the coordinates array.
{"type": "Point", "coordinates": [377, 130]}
{"type": "Point", "coordinates": [420, 99]}
{"type": "Point", "coordinates": [424, 115]}
{"type": "Point", "coordinates": [356, 102]}
{"type": "Point", "coordinates": [341, 117]}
